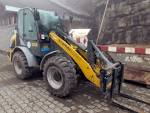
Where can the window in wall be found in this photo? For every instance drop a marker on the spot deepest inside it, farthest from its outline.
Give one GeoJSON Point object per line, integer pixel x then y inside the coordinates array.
{"type": "Point", "coordinates": [10, 21]}
{"type": "Point", "coordinates": [15, 19]}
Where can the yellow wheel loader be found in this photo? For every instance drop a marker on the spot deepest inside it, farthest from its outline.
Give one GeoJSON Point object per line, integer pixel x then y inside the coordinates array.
{"type": "Point", "coordinates": [40, 42]}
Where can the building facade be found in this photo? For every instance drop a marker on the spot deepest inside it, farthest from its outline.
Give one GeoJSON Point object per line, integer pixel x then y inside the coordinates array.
{"type": "Point", "coordinates": [7, 17]}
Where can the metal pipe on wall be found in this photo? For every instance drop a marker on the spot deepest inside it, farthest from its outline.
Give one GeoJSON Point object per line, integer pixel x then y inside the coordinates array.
{"type": "Point", "coordinates": [102, 22]}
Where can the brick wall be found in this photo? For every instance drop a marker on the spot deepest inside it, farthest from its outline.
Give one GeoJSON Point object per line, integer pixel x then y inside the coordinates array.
{"type": "Point", "coordinates": [126, 22]}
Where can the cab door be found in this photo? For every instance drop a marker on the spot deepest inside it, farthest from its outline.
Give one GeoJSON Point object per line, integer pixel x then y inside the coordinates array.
{"type": "Point", "coordinates": [30, 32]}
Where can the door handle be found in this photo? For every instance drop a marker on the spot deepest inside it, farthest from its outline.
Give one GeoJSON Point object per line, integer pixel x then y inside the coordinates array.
{"type": "Point", "coordinates": [30, 30]}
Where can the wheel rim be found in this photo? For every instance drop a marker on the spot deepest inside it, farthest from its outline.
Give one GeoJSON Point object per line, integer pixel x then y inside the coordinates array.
{"type": "Point", "coordinates": [18, 67]}
{"type": "Point", "coordinates": [54, 77]}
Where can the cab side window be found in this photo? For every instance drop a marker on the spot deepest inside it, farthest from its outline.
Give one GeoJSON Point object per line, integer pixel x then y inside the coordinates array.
{"type": "Point", "coordinates": [20, 23]}
{"type": "Point", "coordinates": [30, 30]}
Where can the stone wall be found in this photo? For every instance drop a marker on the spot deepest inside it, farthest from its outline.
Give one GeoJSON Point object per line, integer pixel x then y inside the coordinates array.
{"type": "Point", "coordinates": [126, 22]}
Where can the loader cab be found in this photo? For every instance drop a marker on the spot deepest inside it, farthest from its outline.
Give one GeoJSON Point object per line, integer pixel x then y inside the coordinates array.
{"type": "Point", "coordinates": [33, 28]}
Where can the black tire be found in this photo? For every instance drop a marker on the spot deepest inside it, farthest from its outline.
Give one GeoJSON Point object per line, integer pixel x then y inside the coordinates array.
{"type": "Point", "coordinates": [19, 61]}
{"type": "Point", "coordinates": [59, 67]}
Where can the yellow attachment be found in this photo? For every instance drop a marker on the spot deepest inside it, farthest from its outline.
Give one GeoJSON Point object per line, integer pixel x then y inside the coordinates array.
{"type": "Point", "coordinates": [82, 63]}
{"type": "Point", "coordinates": [12, 41]}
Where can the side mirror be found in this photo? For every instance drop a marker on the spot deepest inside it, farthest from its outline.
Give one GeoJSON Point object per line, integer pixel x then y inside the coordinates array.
{"type": "Point", "coordinates": [36, 15]}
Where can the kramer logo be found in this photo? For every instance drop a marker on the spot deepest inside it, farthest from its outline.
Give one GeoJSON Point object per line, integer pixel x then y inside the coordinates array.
{"type": "Point", "coordinates": [64, 45]}
{"type": "Point", "coordinates": [68, 49]}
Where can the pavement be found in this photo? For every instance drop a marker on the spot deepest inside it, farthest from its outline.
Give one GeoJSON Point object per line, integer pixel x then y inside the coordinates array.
{"type": "Point", "coordinates": [31, 96]}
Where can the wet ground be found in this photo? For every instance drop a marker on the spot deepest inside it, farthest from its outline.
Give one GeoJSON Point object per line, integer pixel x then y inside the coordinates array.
{"type": "Point", "coordinates": [31, 96]}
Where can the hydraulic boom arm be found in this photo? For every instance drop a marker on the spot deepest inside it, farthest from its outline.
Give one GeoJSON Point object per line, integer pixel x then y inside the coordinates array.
{"type": "Point", "coordinates": [82, 63]}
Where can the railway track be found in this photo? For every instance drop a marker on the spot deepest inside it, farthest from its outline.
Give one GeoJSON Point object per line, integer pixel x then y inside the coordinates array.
{"type": "Point", "coordinates": [134, 101]}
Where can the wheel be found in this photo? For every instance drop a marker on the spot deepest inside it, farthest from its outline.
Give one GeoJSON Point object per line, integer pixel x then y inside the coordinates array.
{"type": "Point", "coordinates": [20, 64]}
{"type": "Point", "coordinates": [60, 76]}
